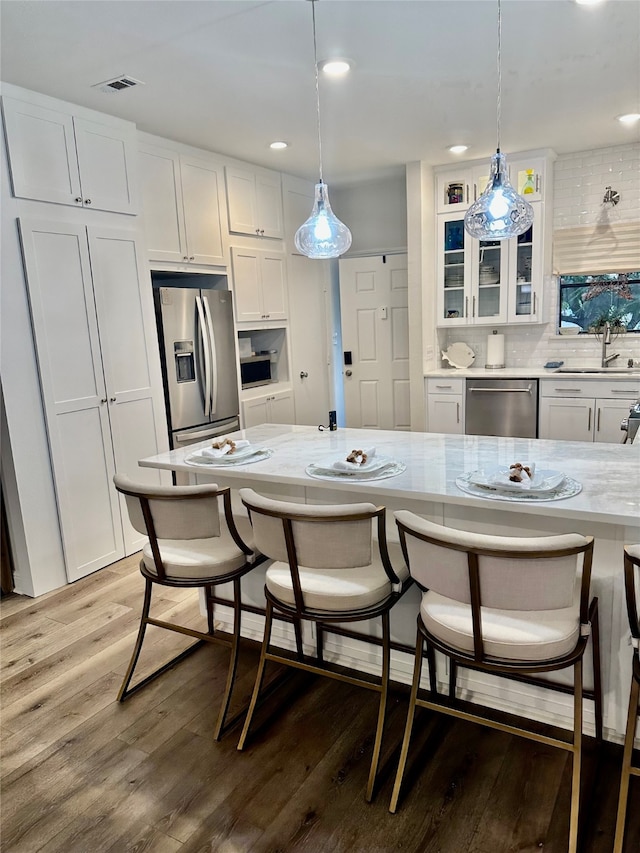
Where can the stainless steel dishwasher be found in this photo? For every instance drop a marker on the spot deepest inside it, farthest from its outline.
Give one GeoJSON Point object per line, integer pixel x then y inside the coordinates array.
{"type": "Point", "coordinates": [502, 407]}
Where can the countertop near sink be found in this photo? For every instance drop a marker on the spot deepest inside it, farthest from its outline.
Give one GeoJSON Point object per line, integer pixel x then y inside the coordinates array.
{"type": "Point", "coordinates": [530, 373]}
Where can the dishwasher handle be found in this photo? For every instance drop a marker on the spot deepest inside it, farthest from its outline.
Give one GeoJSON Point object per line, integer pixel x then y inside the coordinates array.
{"type": "Point", "coordinates": [526, 390]}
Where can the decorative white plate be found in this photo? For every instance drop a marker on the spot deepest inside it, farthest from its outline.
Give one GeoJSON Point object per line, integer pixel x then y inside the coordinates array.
{"type": "Point", "coordinates": [387, 467]}
{"type": "Point", "coordinates": [459, 355]}
{"type": "Point", "coordinates": [372, 464]}
{"type": "Point", "coordinates": [498, 477]}
{"type": "Point", "coordinates": [244, 456]}
{"type": "Point", "coordinates": [567, 489]}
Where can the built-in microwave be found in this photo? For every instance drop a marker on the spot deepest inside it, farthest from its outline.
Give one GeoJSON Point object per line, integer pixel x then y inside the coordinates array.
{"type": "Point", "coordinates": [256, 370]}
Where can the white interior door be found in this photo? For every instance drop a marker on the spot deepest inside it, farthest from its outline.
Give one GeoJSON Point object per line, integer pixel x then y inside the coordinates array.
{"type": "Point", "coordinates": [375, 332]}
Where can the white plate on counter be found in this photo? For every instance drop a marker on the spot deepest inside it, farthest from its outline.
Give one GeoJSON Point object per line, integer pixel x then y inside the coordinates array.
{"type": "Point", "coordinates": [243, 456]}
{"type": "Point", "coordinates": [544, 480]}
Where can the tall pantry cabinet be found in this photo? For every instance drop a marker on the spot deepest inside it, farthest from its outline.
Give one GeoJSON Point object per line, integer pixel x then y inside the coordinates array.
{"type": "Point", "coordinates": [93, 332]}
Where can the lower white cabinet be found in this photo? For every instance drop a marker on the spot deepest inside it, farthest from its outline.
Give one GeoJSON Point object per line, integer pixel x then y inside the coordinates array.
{"type": "Point", "coordinates": [93, 324]}
{"type": "Point", "coordinates": [445, 405]}
{"type": "Point", "coordinates": [575, 410]}
{"type": "Point", "coordinates": [275, 408]}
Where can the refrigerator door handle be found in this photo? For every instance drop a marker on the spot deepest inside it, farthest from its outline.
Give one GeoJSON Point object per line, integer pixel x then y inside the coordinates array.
{"type": "Point", "coordinates": [204, 339]}
{"type": "Point", "coordinates": [214, 358]}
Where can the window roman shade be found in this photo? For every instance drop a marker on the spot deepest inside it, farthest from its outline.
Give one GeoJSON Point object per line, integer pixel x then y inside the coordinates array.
{"type": "Point", "coordinates": [605, 247]}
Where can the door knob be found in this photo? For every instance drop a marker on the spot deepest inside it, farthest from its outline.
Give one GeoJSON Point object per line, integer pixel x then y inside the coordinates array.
{"type": "Point", "coordinates": [348, 372]}
{"type": "Point", "coordinates": [303, 374]}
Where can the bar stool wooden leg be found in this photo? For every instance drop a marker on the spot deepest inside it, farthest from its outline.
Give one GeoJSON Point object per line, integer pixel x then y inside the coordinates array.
{"type": "Point", "coordinates": [259, 675]}
{"type": "Point", "coordinates": [144, 621]}
{"type": "Point", "coordinates": [382, 708]}
{"type": "Point", "coordinates": [233, 661]}
{"type": "Point", "coordinates": [577, 758]}
{"type": "Point", "coordinates": [597, 677]}
{"type": "Point", "coordinates": [417, 670]}
{"type": "Point", "coordinates": [632, 720]}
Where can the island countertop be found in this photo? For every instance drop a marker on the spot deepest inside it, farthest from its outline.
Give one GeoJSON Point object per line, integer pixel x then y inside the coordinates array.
{"type": "Point", "coordinates": [609, 473]}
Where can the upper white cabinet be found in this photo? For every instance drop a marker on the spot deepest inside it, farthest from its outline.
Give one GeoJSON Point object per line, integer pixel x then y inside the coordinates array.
{"type": "Point", "coordinates": [181, 204]}
{"type": "Point", "coordinates": [489, 281]}
{"type": "Point", "coordinates": [259, 284]}
{"type": "Point", "coordinates": [60, 157]}
{"type": "Point", "coordinates": [254, 202]}
{"type": "Point", "coordinates": [94, 333]}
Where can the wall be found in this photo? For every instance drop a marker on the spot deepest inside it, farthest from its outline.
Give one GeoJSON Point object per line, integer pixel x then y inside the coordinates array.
{"type": "Point", "coordinates": [579, 183]}
{"type": "Point", "coordinates": [376, 214]}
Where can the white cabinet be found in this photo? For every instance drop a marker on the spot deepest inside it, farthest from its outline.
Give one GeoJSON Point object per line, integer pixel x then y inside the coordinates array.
{"type": "Point", "coordinates": [259, 284]}
{"type": "Point", "coordinates": [445, 405]}
{"type": "Point", "coordinates": [94, 335]}
{"type": "Point", "coordinates": [589, 410]}
{"type": "Point", "coordinates": [459, 186]}
{"type": "Point", "coordinates": [275, 408]}
{"type": "Point", "coordinates": [59, 157]}
{"type": "Point", "coordinates": [181, 204]}
{"type": "Point", "coordinates": [254, 202]}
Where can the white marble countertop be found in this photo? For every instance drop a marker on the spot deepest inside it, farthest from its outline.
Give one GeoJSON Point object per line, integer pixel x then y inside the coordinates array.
{"type": "Point", "coordinates": [609, 474]}
{"type": "Point", "coordinates": [524, 373]}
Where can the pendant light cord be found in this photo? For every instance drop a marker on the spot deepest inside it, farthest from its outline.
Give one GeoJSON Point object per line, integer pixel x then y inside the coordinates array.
{"type": "Point", "coordinates": [315, 59]}
{"type": "Point", "coordinates": [499, 104]}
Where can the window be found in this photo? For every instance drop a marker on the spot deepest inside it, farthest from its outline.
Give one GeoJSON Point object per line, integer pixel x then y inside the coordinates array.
{"type": "Point", "coordinates": [588, 301]}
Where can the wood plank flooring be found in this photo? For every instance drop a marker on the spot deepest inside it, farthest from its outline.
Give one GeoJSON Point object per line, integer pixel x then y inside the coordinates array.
{"type": "Point", "coordinates": [83, 774]}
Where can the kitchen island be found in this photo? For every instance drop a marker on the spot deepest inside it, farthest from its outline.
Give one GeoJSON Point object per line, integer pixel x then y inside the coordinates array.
{"type": "Point", "coordinates": [607, 507]}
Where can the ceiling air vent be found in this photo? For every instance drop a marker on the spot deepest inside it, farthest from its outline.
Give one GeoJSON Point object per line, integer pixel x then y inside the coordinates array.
{"type": "Point", "coordinates": [118, 84]}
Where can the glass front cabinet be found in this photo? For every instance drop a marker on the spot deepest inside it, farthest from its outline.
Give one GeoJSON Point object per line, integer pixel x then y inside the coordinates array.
{"type": "Point", "coordinates": [485, 282]}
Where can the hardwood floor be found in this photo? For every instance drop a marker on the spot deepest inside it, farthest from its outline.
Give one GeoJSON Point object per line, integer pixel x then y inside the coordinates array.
{"type": "Point", "coordinates": [83, 774]}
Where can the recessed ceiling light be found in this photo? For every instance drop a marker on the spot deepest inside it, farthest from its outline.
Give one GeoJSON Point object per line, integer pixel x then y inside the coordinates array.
{"type": "Point", "coordinates": [629, 118]}
{"type": "Point", "coordinates": [588, 2]}
{"type": "Point", "coordinates": [458, 149]}
{"type": "Point", "coordinates": [278, 145]}
{"type": "Point", "coordinates": [335, 67]}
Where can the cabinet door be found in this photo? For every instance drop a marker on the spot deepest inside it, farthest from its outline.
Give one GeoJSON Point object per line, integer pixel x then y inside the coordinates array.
{"type": "Point", "coordinates": [609, 414]}
{"type": "Point", "coordinates": [454, 190]}
{"type": "Point", "coordinates": [527, 175]}
{"type": "Point", "coordinates": [454, 271]}
{"type": "Point", "coordinates": [269, 213]}
{"type": "Point", "coordinates": [63, 311]}
{"type": "Point", "coordinates": [489, 278]}
{"type": "Point", "coordinates": [274, 286]}
{"type": "Point", "coordinates": [247, 285]}
{"type": "Point", "coordinates": [444, 413]}
{"type": "Point", "coordinates": [241, 200]}
{"type": "Point", "coordinates": [200, 198]}
{"type": "Point", "coordinates": [106, 159]}
{"type": "Point", "coordinates": [568, 419]}
{"type": "Point", "coordinates": [42, 153]}
{"type": "Point", "coordinates": [254, 412]}
{"type": "Point", "coordinates": [281, 409]}
{"type": "Point", "coordinates": [162, 204]}
{"type": "Point", "coordinates": [526, 272]}
{"type": "Point", "coordinates": [128, 342]}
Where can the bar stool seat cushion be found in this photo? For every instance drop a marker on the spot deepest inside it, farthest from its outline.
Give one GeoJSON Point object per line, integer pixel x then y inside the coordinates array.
{"type": "Point", "coordinates": [524, 635]}
{"type": "Point", "coordinates": [197, 559]}
{"type": "Point", "coordinates": [335, 590]}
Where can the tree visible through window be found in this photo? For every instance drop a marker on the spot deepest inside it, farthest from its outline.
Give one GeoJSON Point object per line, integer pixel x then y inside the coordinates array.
{"type": "Point", "coordinates": [588, 301]}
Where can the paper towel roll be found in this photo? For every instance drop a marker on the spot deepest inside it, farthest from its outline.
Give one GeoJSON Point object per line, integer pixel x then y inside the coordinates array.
{"type": "Point", "coordinates": [495, 351]}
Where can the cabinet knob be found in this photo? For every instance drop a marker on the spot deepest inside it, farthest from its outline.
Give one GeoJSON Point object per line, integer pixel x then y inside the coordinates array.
{"type": "Point", "coordinates": [112, 399]}
{"type": "Point", "coordinates": [191, 258]}
{"type": "Point", "coordinates": [257, 230]}
{"type": "Point", "coordinates": [303, 374]}
{"type": "Point", "coordinates": [87, 201]}
{"type": "Point", "coordinates": [104, 400]}
{"type": "Point", "coordinates": [185, 258]}
{"type": "Point", "coordinates": [78, 200]}
{"type": "Point", "coordinates": [262, 232]}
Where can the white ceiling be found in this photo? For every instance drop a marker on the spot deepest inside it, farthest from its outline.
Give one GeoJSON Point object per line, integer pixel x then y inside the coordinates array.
{"type": "Point", "coordinates": [233, 75]}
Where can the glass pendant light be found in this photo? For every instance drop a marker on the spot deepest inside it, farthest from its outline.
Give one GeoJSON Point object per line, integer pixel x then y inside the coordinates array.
{"type": "Point", "coordinates": [499, 213]}
{"type": "Point", "coordinates": [322, 235]}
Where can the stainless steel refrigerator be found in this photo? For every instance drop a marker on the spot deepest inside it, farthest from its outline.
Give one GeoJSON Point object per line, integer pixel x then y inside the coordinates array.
{"type": "Point", "coordinates": [198, 353]}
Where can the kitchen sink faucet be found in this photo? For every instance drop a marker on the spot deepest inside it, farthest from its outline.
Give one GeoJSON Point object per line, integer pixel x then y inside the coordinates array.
{"type": "Point", "coordinates": [606, 339]}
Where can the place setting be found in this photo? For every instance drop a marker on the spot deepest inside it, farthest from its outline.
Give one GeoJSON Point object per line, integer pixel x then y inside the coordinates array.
{"type": "Point", "coordinates": [357, 465]}
{"type": "Point", "coordinates": [225, 453]}
{"type": "Point", "coordinates": [518, 482]}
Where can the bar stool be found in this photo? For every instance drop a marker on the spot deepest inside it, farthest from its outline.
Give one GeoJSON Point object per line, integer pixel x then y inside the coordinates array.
{"type": "Point", "coordinates": [509, 606]}
{"type": "Point", "coordinates": [632, 591]}
{"type": "Point", "coordinates": [327, 569]}
{"type": "Point", "coordinates": [189, 547]}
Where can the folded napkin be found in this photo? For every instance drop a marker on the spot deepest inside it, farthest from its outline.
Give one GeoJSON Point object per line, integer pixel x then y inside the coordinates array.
{"type": "Point", "coordinates": [516, 476]}
{"type": "Point", "coordinates": [225, 447]}
{"type": "Point", "coordinates": [358, 464]}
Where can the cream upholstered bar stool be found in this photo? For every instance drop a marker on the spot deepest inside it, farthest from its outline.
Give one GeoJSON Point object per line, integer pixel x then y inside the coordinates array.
{"type": "Point", "coordinates": [629, 768]}
{"type": "Point", "coordinates": [189, 545]}
{"type": "Point", "coordinates": [328, 568]}
{"type": "Point", "coordinates": [510, 606]}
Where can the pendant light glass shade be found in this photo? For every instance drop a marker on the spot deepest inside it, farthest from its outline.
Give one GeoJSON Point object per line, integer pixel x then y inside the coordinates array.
{"type": "Point", "coordinates": [322, 235]}
{"type": "Point", "coordinates": [499, 213]}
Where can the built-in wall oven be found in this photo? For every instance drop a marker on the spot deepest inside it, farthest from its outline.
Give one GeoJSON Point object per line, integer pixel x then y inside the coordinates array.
{"type": "Point", "coordinates": [506, 407]}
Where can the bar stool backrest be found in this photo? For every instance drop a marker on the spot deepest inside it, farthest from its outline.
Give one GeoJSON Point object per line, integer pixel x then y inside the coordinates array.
{"type": "Point", "coordinates": [323, 537]}
{"type": "Point", "coordinates": [175, 512]}
{"type": "Point", "coordinates": [632, 590]}
{"type": "Point", "coordinates": [512, 573]}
